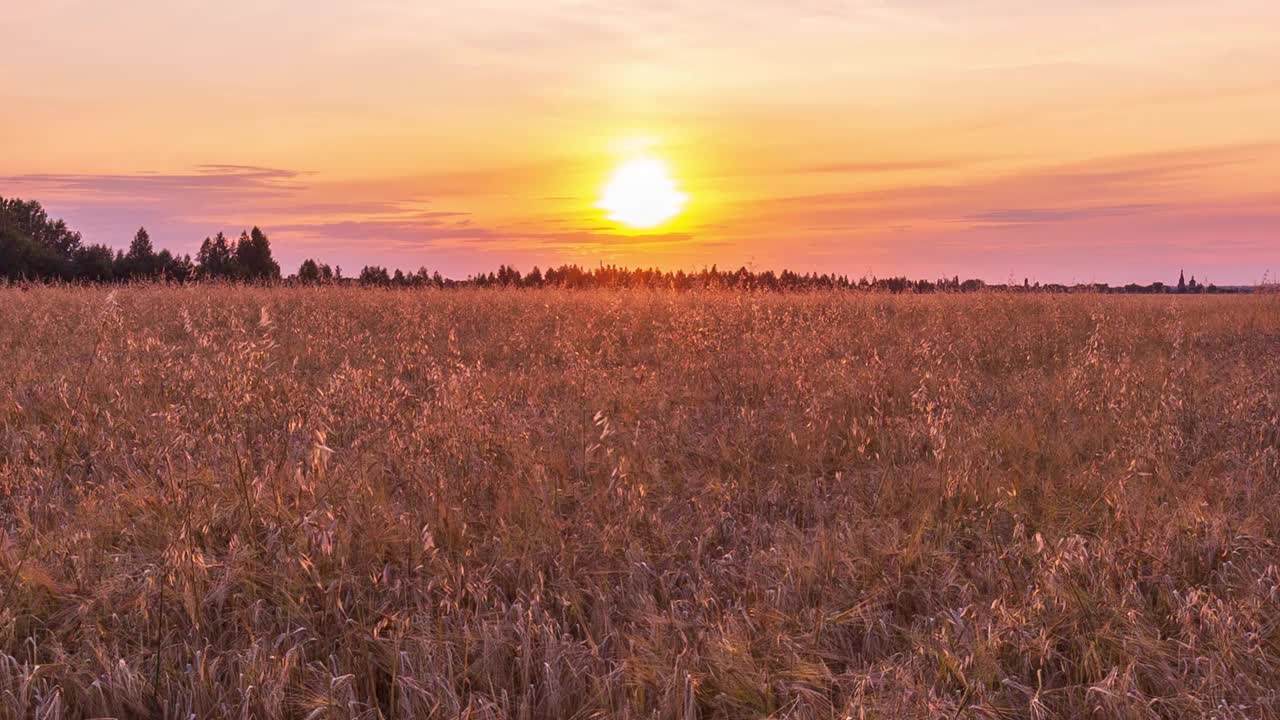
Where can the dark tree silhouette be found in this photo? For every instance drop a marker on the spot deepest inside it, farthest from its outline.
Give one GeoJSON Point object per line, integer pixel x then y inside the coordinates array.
{"type": "Point", "coordinates": [177, 269]}
{"type": "Point", "coordinates": [312, 272]}
{"type": "Point", "coordinates": [309, 272]}
{"type": "Point", "coordinates": [141, 261]}
{"type": "Point", "coordinates": [94, 263]}
{"type": "Point", "coordinates": [32, 246]}
{"type": "Point", "coordinates": [214, 261]}
{"type": "Point", "coordinates": [32, 221]}
{"type": "Point", "coordinates": [374, 275]}
{"type": "Point", "coordinates": [253, 257]}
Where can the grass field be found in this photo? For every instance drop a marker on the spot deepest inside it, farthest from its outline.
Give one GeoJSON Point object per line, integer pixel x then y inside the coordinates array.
{"type": "Point", "coordinates": [341, 503]}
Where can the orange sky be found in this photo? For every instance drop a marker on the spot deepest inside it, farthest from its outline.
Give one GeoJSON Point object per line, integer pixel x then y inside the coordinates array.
{"type": "Point", "coordinates": [1107, 141]}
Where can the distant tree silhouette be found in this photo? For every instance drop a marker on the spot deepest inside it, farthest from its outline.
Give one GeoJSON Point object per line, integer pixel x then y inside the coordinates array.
{"type": "Point", "coordinates": [94, 263]}
{"type": "Point", "coordinates": [178, 269]}
{"type": "Point", "coordinates": [22, 258]}
{"type": "Point", "coordinates": [32, 246]}
{"type": "Point", "coordinates": [31, 220]}
{"type": "Point", "coordinates": [253, 257]}
{"type": "Point", "coordinates": [508, 276]}
{"type": "Point", "coordinates": [309, 272]}
{"type": "Point", "coordinates": [214, 261]}
{"type": "Point", "coordinates": [140, 262]}
{"type": "Point", "coordinates": [374, 275]}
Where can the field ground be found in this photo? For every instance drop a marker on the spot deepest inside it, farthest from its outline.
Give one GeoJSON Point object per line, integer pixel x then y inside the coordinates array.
{"type": "Point", "coordinates": [333, 503]}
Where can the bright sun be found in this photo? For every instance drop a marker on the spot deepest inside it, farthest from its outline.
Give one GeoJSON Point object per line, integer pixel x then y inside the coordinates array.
{"type": "Point", "coordinates": [641, 194]}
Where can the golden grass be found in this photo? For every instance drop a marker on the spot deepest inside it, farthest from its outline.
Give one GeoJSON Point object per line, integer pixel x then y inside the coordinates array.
{"type": "Point", "coordinates": [339, 503]}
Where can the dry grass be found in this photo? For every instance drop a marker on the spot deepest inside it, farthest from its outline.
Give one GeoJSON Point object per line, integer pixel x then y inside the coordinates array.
{"type": "Point", "coordinates": [328, 503]}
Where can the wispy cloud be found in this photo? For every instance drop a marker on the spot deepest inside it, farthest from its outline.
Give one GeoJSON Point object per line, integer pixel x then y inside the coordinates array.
{"type": "Point", "coordinates": [218, 179]}
{"type": "Point", "coordinates": [1046, 194]}
{"type": "Point", "coordinates": [886, 166]}
{"type": "Point", "coordinates": [1030, 216]}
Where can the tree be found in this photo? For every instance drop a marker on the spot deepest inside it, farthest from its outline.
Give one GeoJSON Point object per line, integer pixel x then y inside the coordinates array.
{"type": "Point", "coordinates": [253, 261]}
{"type": "Point", "coordinates": [141, 246]}
{"type": "Point", "coordinates": [164, 262]}
{"type": "Point", "coordinates": [374, 275]}
{"type": "Point", "coordinates": [507, 276]}
{"type": "Point", "coordinates": [22, 258]}
{"type": "Point", "coordinates": [31, 245]}
{"type": "Point", "coordinates": [309, 272]}
{"type": "Point", "coordinates": [141, 261]}
{"type": "Point", "coordinates": [179, 269]}
{"type": "Point", "coordinates": [94, 263]}
{"type": "Point", "coordinates": [32, 221]}
{"type": "Point", "coordinates": [214, 260]}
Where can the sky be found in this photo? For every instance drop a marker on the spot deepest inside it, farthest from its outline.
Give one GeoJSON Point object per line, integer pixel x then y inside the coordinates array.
{"type": "Point", "coordinates": [1094, 141]}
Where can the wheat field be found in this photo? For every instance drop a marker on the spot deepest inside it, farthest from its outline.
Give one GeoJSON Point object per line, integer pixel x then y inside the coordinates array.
{"type": "Point", "coordinates": [234, 502]}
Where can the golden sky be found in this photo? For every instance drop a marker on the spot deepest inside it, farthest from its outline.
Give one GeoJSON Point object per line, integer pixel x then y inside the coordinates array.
{"type": "Point", "coordinates": [1088, 141]}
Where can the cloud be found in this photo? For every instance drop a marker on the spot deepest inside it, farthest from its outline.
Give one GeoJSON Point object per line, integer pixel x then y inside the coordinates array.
{"type": "Point", "coordinates": [410, 233]}
{"type": "Point", "coordinates": [1027, 216]}
{"type": "Point", "coordinates": [218, 179]}
{"type": "Point", "coordinates": [1067, 192]}
{"type": "Point", "coordinates": [215, 194]}
{"type": "Point", "coordinates": [417, 230]}
{"type": "Point", "coordinates": [885, 166]}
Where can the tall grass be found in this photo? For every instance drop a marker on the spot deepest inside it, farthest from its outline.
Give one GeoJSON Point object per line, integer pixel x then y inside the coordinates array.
{"type": "Point", "coordinates": [332, 503]}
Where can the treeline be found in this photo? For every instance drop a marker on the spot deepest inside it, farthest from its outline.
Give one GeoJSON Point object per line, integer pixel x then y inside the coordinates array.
{"type": "Point", "coordinates": [610, 276]}
{"type": "Point", "coordinates": [35, 247]}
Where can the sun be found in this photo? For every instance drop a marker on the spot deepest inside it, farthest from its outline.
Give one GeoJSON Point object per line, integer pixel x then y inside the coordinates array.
{"type": "Point", "coordinates": [641, 194]}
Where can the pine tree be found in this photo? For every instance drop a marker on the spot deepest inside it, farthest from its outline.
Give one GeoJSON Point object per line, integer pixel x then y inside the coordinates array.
{"type": "Point", "coordinates": [214, 259]}
{"type": "Point", "coordinates": [141, 261]}
{"type": "Point", "coordinates": [253, 259]}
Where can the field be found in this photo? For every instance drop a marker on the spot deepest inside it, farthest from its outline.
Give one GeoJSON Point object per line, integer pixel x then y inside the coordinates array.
{"type": "Point", "coordinates": [343, 503]}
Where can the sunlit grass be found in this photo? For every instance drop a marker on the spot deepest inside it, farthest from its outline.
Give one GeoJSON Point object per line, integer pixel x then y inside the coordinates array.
{"type": "Point", "coordinates": [548, 504]}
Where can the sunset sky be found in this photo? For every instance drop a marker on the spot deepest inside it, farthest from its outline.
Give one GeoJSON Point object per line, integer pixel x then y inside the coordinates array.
{"type": "Point", "coordinates": [1108, 141]}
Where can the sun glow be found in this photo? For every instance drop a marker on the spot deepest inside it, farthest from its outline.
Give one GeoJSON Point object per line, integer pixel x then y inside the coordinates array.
{"type": "Point", "coordinates": [641, 194]}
